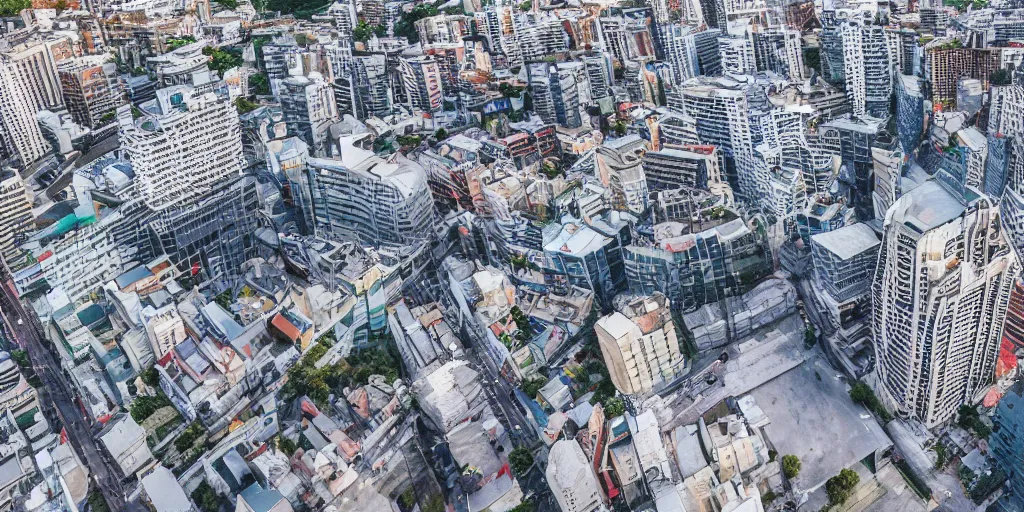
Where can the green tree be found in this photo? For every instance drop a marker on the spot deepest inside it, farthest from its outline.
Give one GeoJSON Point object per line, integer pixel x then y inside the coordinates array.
{"type": "Point", "coordinates": [244, 106]}
{"type": "Point", "coordinates": [287, 446]}
{"type": "Point", "coordinates": [532, 385]}
{"type": "Point", "coordinates": [841, 486]}
{"type": "Point", "coordinates": [222, 60]}
{"type": "Point", "coordinates": [526, 5]}
{"type": "Point", "coordinates": [259, 85]}
{"type": "Point", "coordinates": [406, 25]}
{"type": "Point", "coordinates": [810, 337]}
{"type": "Point", "coordinates": [520, 459]}
{"type": "Point", "coordinates": [620, 128]}
{"type": "Point", "coordinates": [525, 506]}
{"type": "Point", "coordinates": [440, 134]}
{"type": "Point", "coordinates": [362, 31]}
{"type": "Point", "coordinates": [228, 4]}
{"type": "Point", "coordinates": [188, 438]}
{"type": "Point", "coordinates": [144, 406]}
{"type": "Point", "coordinates": [173, 43]}
{"type": "Point", "coordinates": [812, 58]}
{"type": "Point", "coordinates": [791, 466]}
{"type": "Point", "coordinates": [614, 407]}
{"type": "Point", "coordinates": [1000, 77]}
{"type": "Point", "coordinates": [206, 498]}
{"type": "Point", "coordinates": [97, 503]}
{"type": "Point", "coordinates": [862, 394]}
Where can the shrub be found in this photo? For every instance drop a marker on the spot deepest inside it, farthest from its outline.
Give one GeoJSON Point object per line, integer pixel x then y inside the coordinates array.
{"type": "Point", "coordinates": [520, 459]}
{"type": "Point", "coordinates": [791, 466]}
{"type": "Point", "coordinates": [841, 486]}
{"type": "Point", "coordinates": [614, 407]}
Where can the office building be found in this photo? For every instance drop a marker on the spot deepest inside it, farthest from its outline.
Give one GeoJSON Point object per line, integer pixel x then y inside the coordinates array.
{"type": "Point", "coordinates": [679, 43]}
{"type": "Point", "coordinates": [92, 90]}
{"type": "Point", "coordinates": [940, 294]}
{"type": "Point", "coordinates": [617, 164]}
{"type": "Point", "coordinates": [308, 108]}
{"type": "Point", "coordinates": [362, 197]}
{"type": "Point", "coordinates": [694, 267]}
{"type": "Point", "coordinates": [422, 79]}
{"type": "Point", "coordinates": [599, 74]}
{"type": "Point", "coordinates": [909, 112]}
{"type": "Point", "coordinates": [640, 344]}
{"type": "Point", "coordinates": [559, 92]}
{"type": "Point", "coordinates": [723, 119]}
{"type": "Point", "coordinates": [364, 90]}
{"type": "Point", "coordinates": [866, 68]}
{"type": "Point", "coordinates": [34, 63]}
{"type": "Point", "coordinates": [571, 478]}
{"type": "Point", "coordinates": [1007, 443]}
{"type": "Point", "coordinates": [844, 264]}
{"type": "Point", "coordinates": [182, 146]}
{"type": "Point", "coordinates": [737, 54]}
{"type": "Point", "coordinates": [948, 61]}
{"type": "Point", "coordinates": [588, 256]}
{"type": "Point", "coordinates": [686, 166]}
{"type": "Point", "coordinates": [20, 136]}
{"type": "Point", "coordinates": [15, 218]}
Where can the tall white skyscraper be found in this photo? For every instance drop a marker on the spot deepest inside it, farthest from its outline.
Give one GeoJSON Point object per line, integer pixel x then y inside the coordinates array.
{"type": "Point", "coordinates": [940, 294]}
{"type": "Point", "coordinates": [19, 131]}
{"type": "Point", "coordinates": [184, 143]}
{"type": "Point", "coordinates": [867, 68]}
{"type": "Point", "coordinates": [15, 216]}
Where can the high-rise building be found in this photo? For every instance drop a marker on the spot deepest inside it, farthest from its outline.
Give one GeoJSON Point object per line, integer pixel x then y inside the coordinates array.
{"type": "Point", "coordinates": [599, 74]}
{"type": "Point", "coordinates": [737, 54]}
{"type": "Point", "coordinates": [699, 267]}
{"type": "Point", "coordinates": [421, 78]}
{"type": "Point", "coordinates": [947, 61]}
{"type": "Point", "coordinates": [708, 54]}
{"type": "Point", "coordinates": [572, 479]}
{"type": "Point", "coordinates": [362, 197]}
{"type": "Point", "coordinates": [640, 344]}
{"type": "Point", "coordinates": [939, 297]}
{"type": "Point", "coordinates": [866, 68]}
{"type": "Point", "coordinates": [92, 90]}
{"type": "Point", "coordinates": [558, 92]}
{"type": "Point", "coordinates": [687, 166]}
{"type": "Point", "coordinates": [184, 143]}
{"type": "Point", "coordinates": [20, 136]}
{"type": "Point", "coordinates": [15, 217]}
{"type": "Point", "coordinates": [308, 108]}
{"type": "Point", "coordinates": [1007, 443]}
{"type": "Point", "coordinates": [844, 264]}
{"type": "Point", "coordinates": [34, 62]}
{"type": "Point", "coordinates": [723, 120]}
{"type": "Point", "coordinates": [679, 43]}
{"type": "Point", "coordinates": [909, 112]}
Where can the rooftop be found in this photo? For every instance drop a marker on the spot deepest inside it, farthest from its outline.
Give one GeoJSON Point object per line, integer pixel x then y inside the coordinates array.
{"type": "Point", "coordinates": [848, 241]}
{"type": "Point", "coordinates": [930, 206]}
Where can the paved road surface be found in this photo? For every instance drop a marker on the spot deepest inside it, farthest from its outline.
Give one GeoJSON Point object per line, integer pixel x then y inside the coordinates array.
{"type": "Point", "coordinates": [57, 400]}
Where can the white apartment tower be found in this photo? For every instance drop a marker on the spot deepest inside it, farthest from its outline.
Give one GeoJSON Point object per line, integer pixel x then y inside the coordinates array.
{"type": "Point", "coordinates": [680, 46]}
{"type": "Point", "coordinates": [15, 215]}
{"type": "Point", "coordinates": [572, 479]}
{"type": "Point", "coordinates": [940, 294]}
{"type": "Point", "coordinates": [867, 68]}
{"type": "Point", "coordinates": [421, 77]}
{"type": "Point", "coordinates": [20, 135]}
{"type": "Point", "coordinates": [639, 344]}
{"type": "Point", "coordinates": [184, 143]}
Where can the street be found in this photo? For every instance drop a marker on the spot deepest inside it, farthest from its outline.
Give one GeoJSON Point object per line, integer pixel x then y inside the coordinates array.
{"type": "Point", "coordinates": [57, 399]}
